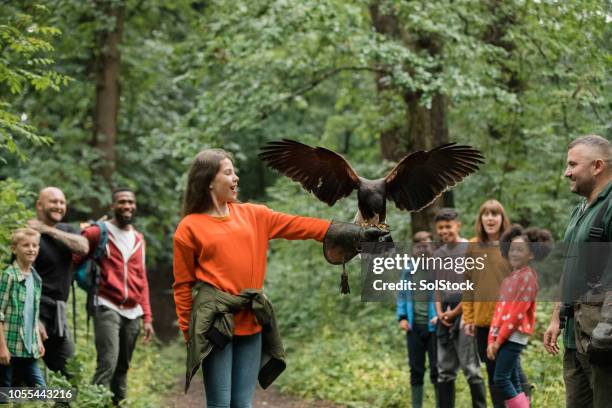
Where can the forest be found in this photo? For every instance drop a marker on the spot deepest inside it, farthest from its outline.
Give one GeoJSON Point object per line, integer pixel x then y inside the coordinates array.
{"type": "Point", "coordinates": [98, 94]}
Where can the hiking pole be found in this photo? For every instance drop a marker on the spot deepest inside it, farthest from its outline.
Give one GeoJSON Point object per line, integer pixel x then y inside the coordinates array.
{"type": "Point", "coordinates": [74, 326]}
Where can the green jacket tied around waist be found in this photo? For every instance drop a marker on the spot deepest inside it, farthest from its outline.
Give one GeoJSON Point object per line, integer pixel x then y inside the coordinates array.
{"type": "Point", "coordinates": [212, 325]}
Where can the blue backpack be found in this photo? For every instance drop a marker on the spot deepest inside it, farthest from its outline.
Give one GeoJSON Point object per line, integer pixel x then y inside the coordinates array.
{"type": "Point", "coordinates": [86, 273]}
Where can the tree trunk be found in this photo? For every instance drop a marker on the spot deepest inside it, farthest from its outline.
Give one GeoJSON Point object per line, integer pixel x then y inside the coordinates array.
{"type": "Point", "coordinates": [392, 141]}
{"type": "Point", "coordinates": [424, 128]}
{"type": "Point", "coordinates": [509, 128]}
{"type": "Point", "coordinates": [428, 128]}
{"type": "Point", "coordinates": [107, 73]}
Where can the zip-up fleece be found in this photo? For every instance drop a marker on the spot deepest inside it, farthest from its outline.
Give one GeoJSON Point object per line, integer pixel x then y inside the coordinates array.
{"type": "Point", "coordinates": [122, 281]}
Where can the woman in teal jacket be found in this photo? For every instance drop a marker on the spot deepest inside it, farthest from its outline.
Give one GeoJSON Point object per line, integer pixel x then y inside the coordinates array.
{"type": "Point", "coordinates": [416, 314]}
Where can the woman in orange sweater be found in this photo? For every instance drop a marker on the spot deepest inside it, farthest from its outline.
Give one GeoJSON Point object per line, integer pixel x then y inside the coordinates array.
{"type": "Point", "coordinates": [478, 305]}
{"type": "Point", "coordinates": [223, 243]}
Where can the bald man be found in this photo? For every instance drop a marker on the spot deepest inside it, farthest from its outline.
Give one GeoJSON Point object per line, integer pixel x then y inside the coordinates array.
{"type": "Point", "coordinates": [58, 242]}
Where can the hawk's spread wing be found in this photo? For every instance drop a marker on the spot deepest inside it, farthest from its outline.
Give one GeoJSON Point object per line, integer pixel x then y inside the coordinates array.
{"type": "Point", "coordinates": [324, 173]}
{"type": "Point", "coordinates": [420, 177]}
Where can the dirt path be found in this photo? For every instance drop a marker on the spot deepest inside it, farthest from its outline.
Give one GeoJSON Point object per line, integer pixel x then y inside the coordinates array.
{"type": "Point", "coordinates": [270, 398]}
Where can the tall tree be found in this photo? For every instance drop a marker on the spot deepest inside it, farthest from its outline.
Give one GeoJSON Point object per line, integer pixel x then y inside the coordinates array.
{"type": "Point", "coordinates": [425, 126]}
{"type": "Point", "coordinates": [107, 74]}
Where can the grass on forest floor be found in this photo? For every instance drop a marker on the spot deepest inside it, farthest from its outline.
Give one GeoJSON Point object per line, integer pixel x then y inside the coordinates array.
{"type": "Point", "coordinates": [359, 360]}
{"type": "Point", "coordinates": [362, 362]}
{"type": "Point", "coordinates": [153, 372]}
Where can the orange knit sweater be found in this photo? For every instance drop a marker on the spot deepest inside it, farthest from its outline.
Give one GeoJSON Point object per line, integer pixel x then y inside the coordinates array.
{"type": "Point", "coordinates": [478, 306]}
{"type": "Point", "coordinates": [229, 253]}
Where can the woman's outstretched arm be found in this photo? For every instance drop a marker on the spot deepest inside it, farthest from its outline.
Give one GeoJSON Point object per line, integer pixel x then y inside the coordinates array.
{"type": "Point", "coordinates": [281, 225]}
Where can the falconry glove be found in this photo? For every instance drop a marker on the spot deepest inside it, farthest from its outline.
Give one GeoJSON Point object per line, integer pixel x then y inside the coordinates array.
{"type": "Point", "coordinates": [343, 241]}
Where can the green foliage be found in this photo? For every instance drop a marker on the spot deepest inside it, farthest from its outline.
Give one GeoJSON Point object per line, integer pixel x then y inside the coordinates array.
{"type": "Point", "coordinates": [144, 389]}
{"type": "Point", "coordinates": [157, 138]}
{"type": "Point", "coordinates": [522, 81]}
{"type": "Point", "coordinates": [87, 394]}
{"type": "Point", "coordinates": [559, 85]}
{"type": "Point", "coordinates": [239, 74]}
{"type": "Point", "coordinates": [521, 78]}
{"type": "Point", "coordinates": [24, 63]}
{"type": "Point", "coordinates": [354, 368]}
{"type": "Point", "coordinates": [13, 214]}
{"type": "Point", "coordinates": [543, 370]}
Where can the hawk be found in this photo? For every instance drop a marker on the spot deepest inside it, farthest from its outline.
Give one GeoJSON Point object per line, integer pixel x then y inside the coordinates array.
{"type": "Point", "coordinates": [414, 183]}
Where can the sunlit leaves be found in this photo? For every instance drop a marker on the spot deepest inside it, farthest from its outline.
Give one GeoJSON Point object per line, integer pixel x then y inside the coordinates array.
{"type": "Point", "coordinates": [25, 62]}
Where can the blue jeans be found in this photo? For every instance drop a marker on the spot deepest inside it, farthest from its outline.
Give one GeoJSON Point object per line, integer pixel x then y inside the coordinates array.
{"type": "Point", "coordinates": [230, 374]}
{"type": "Point", "coordinates": [507, 369]}
{"type": "Point", "coordinates": [23, 368]}
{"type": "Point", "coordinates": [482, 335]}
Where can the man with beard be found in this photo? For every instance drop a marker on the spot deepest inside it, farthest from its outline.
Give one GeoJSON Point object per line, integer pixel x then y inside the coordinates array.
{"type": "Point", "coordinates": [58, 243]}
{"type": "Point", "coordinates": [122, 297]}
{"type": "Point", "coordinates": [587, 290]}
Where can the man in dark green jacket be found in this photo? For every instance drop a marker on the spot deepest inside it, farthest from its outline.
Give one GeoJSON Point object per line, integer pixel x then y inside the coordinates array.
{"type": "Point", "coordinates": [587, 379]}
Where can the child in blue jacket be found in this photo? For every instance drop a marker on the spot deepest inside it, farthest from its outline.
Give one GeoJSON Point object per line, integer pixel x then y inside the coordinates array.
{"type": "Point", "coordinates": [416, 314]}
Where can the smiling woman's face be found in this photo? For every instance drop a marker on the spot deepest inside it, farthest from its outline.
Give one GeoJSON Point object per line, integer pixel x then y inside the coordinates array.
{"type": "Point", "coordinates": [224, 187]}
{"type": "Point", "coordinates": [491, 223]}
